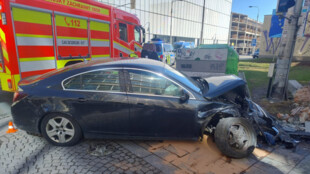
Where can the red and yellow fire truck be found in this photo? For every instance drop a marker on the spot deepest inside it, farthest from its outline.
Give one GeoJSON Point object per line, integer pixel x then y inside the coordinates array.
{"type": "Point", "coordinates": [38, 36]}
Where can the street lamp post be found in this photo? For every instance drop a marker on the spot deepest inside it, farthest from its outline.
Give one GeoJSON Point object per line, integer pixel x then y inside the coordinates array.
{"type": "Point", "coordinates": [171, 19]}
{"type": "Point", "coordinates": [255, 26]}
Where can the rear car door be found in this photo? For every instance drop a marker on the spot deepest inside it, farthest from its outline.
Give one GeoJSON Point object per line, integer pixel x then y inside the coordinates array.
{"type": "Point", "coordinates": [155, 109]}
{"type": "Point", "coordinates": [100, 101]}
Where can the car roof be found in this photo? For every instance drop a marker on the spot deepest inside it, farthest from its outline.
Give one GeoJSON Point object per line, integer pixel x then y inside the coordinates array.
{"type": "Point", "coordinates": [141, 63]}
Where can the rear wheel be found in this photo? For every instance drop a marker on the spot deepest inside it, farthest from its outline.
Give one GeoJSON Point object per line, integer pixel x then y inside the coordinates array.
{"type": "Point", "coordinates": [235, 137]}
{"type": "Point", "coordinates": [61, 130]}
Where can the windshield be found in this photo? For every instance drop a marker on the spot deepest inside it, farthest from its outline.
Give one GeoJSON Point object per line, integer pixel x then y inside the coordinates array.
{"type": "Point", "coordinates": [168, 47]}
{"type": "Point", "coordinates": [186, 80]}
{"type": "Point", "coordinates": [177, 45]}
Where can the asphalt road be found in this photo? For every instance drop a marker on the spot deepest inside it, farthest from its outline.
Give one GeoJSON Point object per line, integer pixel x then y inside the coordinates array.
{"type": "Point", "coordinates": [245, 57]}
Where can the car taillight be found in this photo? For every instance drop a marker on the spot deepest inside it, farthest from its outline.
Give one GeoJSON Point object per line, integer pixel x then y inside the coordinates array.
{"type": "Point", "coordinates": [161, 57]}
{"type": "Point", "coordinates": [19, 95]}
{"type": "Point", "coordinates": [9, 83]}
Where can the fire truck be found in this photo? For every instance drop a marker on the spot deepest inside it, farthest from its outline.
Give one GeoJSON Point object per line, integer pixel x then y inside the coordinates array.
{"type": "Point", "coordinates": [38, 36]}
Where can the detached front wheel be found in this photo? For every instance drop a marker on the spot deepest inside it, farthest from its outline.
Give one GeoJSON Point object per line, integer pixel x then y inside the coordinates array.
{"type": "Point", "coordinates": [235, 137]}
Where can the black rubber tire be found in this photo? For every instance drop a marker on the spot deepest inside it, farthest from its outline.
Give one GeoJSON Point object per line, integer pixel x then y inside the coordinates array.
{"type": "Point", "coordinates": [78, 132]}
{"type": "Point", "coordinates": [222, 135]}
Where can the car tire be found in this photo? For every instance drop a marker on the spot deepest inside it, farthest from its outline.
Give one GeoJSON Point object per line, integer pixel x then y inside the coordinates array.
{"type": "Point", "coordinates": [61, 130]}
{"type": "Point", "coordinates": [235, 137]}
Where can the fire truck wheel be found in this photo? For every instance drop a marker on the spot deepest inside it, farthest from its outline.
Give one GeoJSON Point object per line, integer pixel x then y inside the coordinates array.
{"type": "Point", "coordinates": [61, 130]}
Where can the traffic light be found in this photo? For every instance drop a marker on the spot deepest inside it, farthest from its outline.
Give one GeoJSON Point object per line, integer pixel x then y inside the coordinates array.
{"type": "Point", "coordinates": [284, 5]}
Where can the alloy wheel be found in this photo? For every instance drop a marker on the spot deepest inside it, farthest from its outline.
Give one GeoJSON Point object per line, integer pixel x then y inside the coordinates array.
{"type": "Point", "coordinates": [60, 129]}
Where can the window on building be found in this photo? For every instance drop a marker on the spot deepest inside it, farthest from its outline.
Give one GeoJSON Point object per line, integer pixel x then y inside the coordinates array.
{"type": "Point", "coordinates": [123, 32]}
{"type": "Point", "coordinates": [150, 83]}
{"type": "Point", "coordinates": [104, 80]}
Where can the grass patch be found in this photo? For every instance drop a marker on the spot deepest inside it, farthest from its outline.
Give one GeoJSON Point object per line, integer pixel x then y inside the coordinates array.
{"type": "Point", "coordinates": [256, 71]}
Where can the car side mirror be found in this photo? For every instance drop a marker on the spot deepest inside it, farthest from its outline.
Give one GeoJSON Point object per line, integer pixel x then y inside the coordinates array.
{"type": "Point", "coordinates": [184, 96]}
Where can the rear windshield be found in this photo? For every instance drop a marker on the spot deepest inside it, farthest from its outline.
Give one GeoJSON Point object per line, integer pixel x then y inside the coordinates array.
{"type": "Point", "coordinates": [149, 47]}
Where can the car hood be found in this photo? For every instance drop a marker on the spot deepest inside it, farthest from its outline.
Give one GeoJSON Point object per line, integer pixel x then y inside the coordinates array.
{"type": "Point", "coordinates": [221, 84]}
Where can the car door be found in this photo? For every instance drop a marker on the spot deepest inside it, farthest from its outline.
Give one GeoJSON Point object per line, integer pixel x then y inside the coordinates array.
{"type": "Point", "coordinates": [100, 101]}
{"type": "Point", "coordinates": [155, 108]}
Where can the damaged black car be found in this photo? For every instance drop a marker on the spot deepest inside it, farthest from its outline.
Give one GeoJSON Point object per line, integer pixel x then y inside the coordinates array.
{"type": "Point", "coordinates": [141, 99]}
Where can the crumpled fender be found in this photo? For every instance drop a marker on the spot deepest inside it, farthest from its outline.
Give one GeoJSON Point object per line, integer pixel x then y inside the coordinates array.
{"type": "Point", "coordinates": [209, 111]}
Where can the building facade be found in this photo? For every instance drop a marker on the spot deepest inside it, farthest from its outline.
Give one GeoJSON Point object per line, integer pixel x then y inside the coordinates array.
{"type": "Point", "coordinates": [243, 31]}
{"type": "Point", "coordinates": [155, 17]}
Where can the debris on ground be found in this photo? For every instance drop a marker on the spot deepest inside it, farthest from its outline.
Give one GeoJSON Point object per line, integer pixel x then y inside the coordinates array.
{"type": "Point", "coordinates": [299, 117]}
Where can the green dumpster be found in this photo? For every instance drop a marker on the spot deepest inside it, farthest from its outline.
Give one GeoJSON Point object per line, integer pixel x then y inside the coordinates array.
{"type": "Point", "coordinates": [215, 59]}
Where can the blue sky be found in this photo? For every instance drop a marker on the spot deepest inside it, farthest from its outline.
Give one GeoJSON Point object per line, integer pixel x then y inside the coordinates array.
{"type": "Point", "coordinates": [265, 7]}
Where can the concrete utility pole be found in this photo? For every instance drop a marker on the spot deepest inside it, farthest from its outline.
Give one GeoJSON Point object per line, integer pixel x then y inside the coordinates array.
{"type": "Point", "coordinates": [202, 21]}
{"type": "Point", "coordinates": [286, 52]}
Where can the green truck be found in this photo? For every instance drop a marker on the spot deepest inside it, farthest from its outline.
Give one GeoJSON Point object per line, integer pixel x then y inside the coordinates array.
{"type": "Point", "coordinates": [207, 60]}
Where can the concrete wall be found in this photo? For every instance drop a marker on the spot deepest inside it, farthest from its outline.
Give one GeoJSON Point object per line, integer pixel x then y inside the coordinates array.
{"type": "Point", "coordinates": [270, 46]}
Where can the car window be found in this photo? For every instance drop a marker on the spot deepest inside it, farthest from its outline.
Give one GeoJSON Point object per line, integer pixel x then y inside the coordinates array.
{"type": "Point", "coordinates": [103, 80]}
{"type": "Point", "coordinates": [149, 47]}
{"type": "Point", "coordinates": [158, 48]}
{"type": "Point", "coordinates": [137, 34]}
{"type": "Point", "coordinates": [123, 32]}
{"type": "Point", "coordinates": [168, 48]}
{"type": "Point", "coordinates": [149, 83]}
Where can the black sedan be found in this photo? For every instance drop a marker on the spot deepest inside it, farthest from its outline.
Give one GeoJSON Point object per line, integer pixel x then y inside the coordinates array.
{"type": "Point", "coordinates": [136, 99]}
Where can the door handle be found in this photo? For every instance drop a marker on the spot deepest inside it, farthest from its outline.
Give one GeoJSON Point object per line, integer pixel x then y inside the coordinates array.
{"type": "Point", "coordinates": [140, 105]}
{"type": "Point", "coordinates": [81, 100]}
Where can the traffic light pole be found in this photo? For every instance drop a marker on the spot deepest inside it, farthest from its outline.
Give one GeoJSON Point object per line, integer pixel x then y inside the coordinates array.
{"type": "Point", "coordinates": [286, 52]}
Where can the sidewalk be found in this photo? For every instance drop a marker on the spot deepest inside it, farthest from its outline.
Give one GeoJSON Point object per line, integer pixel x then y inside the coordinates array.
{"type": "Point", "coordinates": [23, 153]}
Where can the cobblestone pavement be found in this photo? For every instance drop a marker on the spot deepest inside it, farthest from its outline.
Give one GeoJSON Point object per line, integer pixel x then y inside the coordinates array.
{"type": "Point", "coordinates": [22, 153]}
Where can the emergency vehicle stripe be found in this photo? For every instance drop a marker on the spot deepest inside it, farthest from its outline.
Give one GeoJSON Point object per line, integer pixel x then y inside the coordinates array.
{"type": "Point", "coordinates": [98, 26]}
{"type": "Point", "coordinates": [5, 54]}
{"type": "Point", "coordinates": [36, 29]}
{"type": "Point", "coordinates": [72, 32]}
{"type": "Point", "coordinates": [34, 41]}
{"type": "Point", "coordinates": [72, 42]}
{"type": "Point", "coordinates": [7, 70]}
{"type": "Point", "coordinates": [97, 57]}
{"type": "Point", "coordinates": [32, 73]}
{"type": "Point", "coordinates": [35, 59]}
{"type": "Point", "coordinates": [2, 36]}
{"type": "Point", "coordinates": [37, 65]}
{"type": "Point", "coordinates": [100, 51]}
{"type": "Point", "coordinates": [122, 48]}
{"type": "Point", "coordinates": [96, 43]}
{"type": "Point", "coordinates": [100, 40]}
{"type": "Point", "coordinates": [35, 51]}
{"type": "Point", "coordinates": [99, 34]}
{"type": "Point", "coordinates": [72, 36]}
{"type": "Point", "coordinates": [70, 22]}
{"type": "Point", "coordinates": [31, 16]}
{"type": "Point", "coordinates": [138, 48]}
{"type": "Point", "coordinates": [34, 37]}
